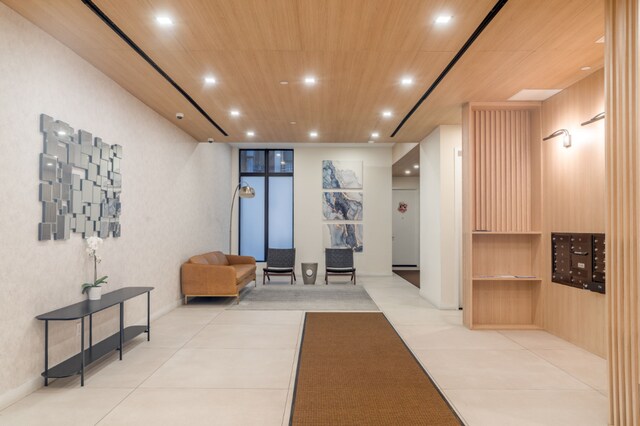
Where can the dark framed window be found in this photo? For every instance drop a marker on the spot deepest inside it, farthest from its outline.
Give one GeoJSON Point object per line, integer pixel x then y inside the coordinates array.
{"type": "Point", "coordinates": [266, 221]}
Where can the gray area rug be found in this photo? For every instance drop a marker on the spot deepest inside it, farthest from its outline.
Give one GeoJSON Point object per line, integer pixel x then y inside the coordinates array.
{"type": "Point", "coordinates": [332, 297]}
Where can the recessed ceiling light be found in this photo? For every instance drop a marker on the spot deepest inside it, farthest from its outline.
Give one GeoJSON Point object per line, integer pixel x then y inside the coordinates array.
{"type": "Point", "coordinates": [443, 19]}
{"type": "Point", "coordinates": [313, 134]}
{"type": "Point", "coordinates": [292, 122]}
{"type": "Point", "coordinates": [210, 80]}
{"type": "Point", "coordinates": [284, 82]}
{"type": "Point", "coordinates": [406, 81]}
{"type": "Point", "coordinates": [235, 113]}
{"type": "Point", "coordinates": [416, 166]}
{"type": "Point", "coordinates": [251, 133]}
{"type": "Point", "coordinates": [165, 21]}
{"type": "Point", "coordinates": [600, 40]}
{"type": "Point", "coordinates": [375, 134]}
{"type": "Point", "coordinates": [309, 81]}
{"type": "Point", "coordinates": [386, 113]}
{"type": "Point", "coordinates": [407, 172]}
{"type": "Point", "coordinates": [585, 68]}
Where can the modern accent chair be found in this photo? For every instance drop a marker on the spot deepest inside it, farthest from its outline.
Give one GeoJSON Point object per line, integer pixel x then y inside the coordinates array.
{"type": "Point", "coordinates": [280, 262]}
{"type": "Point", "coordinates": [339, 262]}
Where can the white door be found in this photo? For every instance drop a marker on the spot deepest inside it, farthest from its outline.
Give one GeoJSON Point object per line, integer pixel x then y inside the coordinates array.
{"type": "Point", "coordinates": [406, 223]}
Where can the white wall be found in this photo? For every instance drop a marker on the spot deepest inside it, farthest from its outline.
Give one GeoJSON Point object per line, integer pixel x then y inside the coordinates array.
{"type": "Point", "coordinates": [438, 259]}
{"type": "Point", "coordinates": [175, 200]}
{"type": "Point", "coordinates": [405, 182]}
{"type": "Point", "coordinates": [308, 220]}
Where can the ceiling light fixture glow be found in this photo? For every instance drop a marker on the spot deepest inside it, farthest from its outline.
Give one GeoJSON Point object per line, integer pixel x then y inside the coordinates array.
{"type": "Point", "coordinates": [587, 68]}
{"type": "Point", "coordinates": [309, 81]}
{"type": "Point", "coordinates": [165, 21]}
{"type": "Point", "coordinates": [443, 19]}
{"type": "Point", "coordinates": [375, 134]}
{"type": "Point", "coordinates": [416, 166]}
{"type": "Point", "coordinates": [406, 81]}
{"type": "Point", "coordinates": [284, 82]}
{"type": "Point", "coordinates": [313, 134]}
{"type": "Point", "coordinates": [251, 133]}
{"type": "Point", "coordinates": [210, 80]}
{"type": "Point", "coordinates": [386, 114]}
{"type": "Point", "coordinates": [407, 172]}
{"type": "Point", "coordinates": [235, 113]}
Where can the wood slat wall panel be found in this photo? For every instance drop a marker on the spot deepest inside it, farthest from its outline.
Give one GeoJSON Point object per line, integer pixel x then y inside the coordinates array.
{"type": "Point", "coordinates": [503, 170]}
{"type": "Point", "coordinates": [622, 24]}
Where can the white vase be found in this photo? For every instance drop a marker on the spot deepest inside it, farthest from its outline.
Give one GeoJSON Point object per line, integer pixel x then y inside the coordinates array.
{"type": "Point", "coordinates": [95, 293]}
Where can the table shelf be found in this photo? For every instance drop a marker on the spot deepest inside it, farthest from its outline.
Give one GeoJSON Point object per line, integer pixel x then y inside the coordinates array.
{"type": "Point", "coordinates": [73, 365]}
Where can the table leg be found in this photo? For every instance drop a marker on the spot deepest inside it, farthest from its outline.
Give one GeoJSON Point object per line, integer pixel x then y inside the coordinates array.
{"type": "Point", "coordinates": [46, 353]}
{"type": "Point", "coordinates": [90, 330]}
{"type": "Point", "coordinates": [82, 351]}
{"type": "Point", "coordinates": [148, 316]}
{"type": "Point", "coordinates": [121, 328]}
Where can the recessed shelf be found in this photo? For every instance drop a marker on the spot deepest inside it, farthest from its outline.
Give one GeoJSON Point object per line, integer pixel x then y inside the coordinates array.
{"type": "Point", "coordinates": [506, 233]}
{"type": "Point", "coordinates": [506, 279]}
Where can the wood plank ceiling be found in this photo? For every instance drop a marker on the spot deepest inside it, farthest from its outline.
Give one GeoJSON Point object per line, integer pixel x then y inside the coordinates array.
{"type": "Point", "coordinates": [358, 50]}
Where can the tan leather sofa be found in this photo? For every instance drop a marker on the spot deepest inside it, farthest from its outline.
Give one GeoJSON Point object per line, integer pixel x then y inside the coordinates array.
{"type": "Point", "coordinates": [216, 274]}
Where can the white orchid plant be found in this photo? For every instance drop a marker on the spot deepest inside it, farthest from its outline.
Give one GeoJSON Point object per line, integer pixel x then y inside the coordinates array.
{"type": "Point", "coordinates": [93, 245]}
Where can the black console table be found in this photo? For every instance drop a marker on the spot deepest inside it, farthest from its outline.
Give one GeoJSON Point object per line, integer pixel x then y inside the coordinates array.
{"type": "Point", "coordinates": [77, 363]}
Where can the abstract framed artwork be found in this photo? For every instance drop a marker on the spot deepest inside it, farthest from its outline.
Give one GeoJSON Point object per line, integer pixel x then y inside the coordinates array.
{"type": "Point", "coordinates": [80, 183]}
{"type": "Point", "coordinates": [343, 235]}
{"type": "Point", "coordinates": [342, 205]}
{"type": "Point", "coordinates": [338, 174]}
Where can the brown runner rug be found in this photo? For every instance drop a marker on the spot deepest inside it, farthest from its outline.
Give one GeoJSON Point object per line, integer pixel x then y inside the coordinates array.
{"type": "Point", "coordinates": [355, 370]}
{"type": "Point", "coordinates": [413, 276]}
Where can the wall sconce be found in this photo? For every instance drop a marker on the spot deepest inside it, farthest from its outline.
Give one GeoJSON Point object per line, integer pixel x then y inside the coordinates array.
{"type": "Point", "coordinates": [594, 119]}
{"type": "Point", "coordinates": [566, 139]}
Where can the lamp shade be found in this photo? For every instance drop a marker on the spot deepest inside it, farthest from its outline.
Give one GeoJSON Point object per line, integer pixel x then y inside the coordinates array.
{"type": "Point", "coordinates": [247, 192]}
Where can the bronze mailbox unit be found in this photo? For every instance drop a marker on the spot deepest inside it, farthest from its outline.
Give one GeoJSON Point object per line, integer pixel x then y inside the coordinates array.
{"type": "Point", "coordinates": [578, 260]}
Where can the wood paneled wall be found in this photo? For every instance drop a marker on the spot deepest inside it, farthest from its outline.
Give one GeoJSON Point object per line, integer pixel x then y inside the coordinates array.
{"type": "Point", "coordinates": [623, 225]}
{"type": "Point", "coordinates": [574, 201]}
{"type": "Point", "coordinates": [503, 171]}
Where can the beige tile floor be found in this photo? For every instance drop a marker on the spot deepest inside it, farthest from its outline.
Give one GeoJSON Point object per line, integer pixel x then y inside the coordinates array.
{"type": "Point", "coordinates": [211, 366]}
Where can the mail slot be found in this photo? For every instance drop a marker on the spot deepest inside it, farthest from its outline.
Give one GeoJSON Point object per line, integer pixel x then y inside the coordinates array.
{"type": "Point", "coordinates": [578, 260]}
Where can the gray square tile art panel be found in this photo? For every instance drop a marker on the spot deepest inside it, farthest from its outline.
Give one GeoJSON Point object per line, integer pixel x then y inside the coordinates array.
{"type": "Point", "coordinates": [80, 183]}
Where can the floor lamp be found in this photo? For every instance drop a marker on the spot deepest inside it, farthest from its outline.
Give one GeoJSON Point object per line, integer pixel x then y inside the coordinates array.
{"type": "Point", "coordinates": [244, 191]}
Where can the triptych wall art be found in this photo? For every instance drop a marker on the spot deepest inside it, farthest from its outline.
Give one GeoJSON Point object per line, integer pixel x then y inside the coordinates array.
{"type": "Point", "coordinates": [342, 204]}
{"type": "Point", "coordinates": [80, 183]}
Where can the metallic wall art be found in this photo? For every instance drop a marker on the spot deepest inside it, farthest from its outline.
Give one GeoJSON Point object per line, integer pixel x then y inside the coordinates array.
{"type": "Point", "coordinates": [80, 183]}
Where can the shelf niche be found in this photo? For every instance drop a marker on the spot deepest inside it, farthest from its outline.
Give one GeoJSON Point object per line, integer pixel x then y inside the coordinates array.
{"type": "Point", "coordinates": [501, 215]}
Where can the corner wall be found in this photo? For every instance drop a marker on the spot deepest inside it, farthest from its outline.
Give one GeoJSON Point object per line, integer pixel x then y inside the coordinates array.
{"type": "Point", "coordinates": [439, 239]}
{"type": "Point", "coordinates": [175, 201]}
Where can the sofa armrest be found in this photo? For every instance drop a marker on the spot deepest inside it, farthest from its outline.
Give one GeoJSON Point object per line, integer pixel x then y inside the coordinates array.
{"type": "Point", "coordinates": [238, 260]}
{"type": "Point", "coordinates": [202, 280]}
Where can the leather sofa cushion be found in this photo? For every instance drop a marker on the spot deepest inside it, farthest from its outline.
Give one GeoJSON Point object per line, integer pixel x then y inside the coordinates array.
{"type": "Point", "coordinates": [216, 258]}
{"type": "Point", "coordinates": [243, 271]}
{"type": "Point", "coordinates": [200, 260]}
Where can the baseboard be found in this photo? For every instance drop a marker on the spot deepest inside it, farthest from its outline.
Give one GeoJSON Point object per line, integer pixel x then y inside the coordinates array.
{"type": "Point", "coordinates": [16, 394]}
